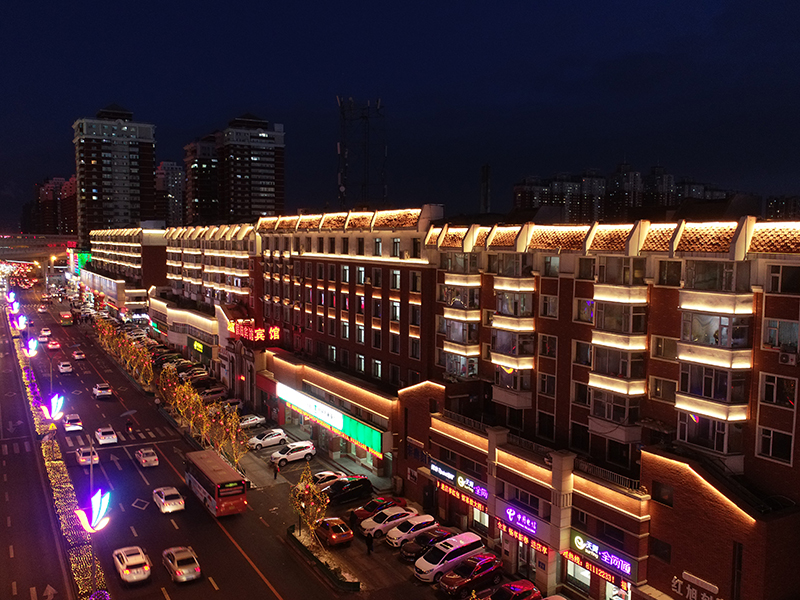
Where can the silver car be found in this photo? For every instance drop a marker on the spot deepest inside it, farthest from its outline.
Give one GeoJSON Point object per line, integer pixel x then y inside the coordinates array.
{"type": "Point", "coordinates": [182, 563]}
{"type": "Point", "coordinates": [132, 564]}
{"type": "Point", "coordinates": [168, 499]}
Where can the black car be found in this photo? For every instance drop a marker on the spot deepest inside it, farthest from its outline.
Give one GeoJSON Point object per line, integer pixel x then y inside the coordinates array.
{"type": "Point", "coordinates": [411, 551]}
{"type": "Point", "coordinates": [350, 488]}
{"type": "Point", "coordinates": [203, 384]}
{"type": "Point", "coordinates": [165, 358]}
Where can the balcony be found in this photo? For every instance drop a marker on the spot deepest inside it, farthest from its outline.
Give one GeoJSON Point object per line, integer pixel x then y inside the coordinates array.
{"type": "Point", "coordinates": [513, 362]}
{"type": "Point", "coordinates": [463, 280]}
{"type": "Point", "coordinates": [515, 284]}
{"type": "Point", "coordinates": [465, 349]}
{"type": "Point", "coordinates": [624, 434]}
{"type": "Point", "coordinates": [618, 385]}
{"type": "Point", "coordinates": [469, 315]}
{"type": "Point", "coordinates": [711, 408]}
{"type": "Point", "coordinates": [511, 323]}
{"type": "Point", "coordinates": [629, 342]}
{"type": "Point", "coordinates": [622, 294]}
{"type": "Point", "coordinates": [512, 398]}
{"type": "Point", "coordinates": [726, 303]}
{"type": "Point", "coordinates": [725, 358]}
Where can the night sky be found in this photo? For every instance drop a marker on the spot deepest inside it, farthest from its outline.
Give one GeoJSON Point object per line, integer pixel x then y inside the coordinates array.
{"type": "Point", "coordinates": [707, 89]}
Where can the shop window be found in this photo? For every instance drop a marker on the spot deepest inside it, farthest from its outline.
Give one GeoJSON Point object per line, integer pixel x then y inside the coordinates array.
{"type": "Point", "coordinates": [666, 348]}
{"type": "Point", "coordinates": [669, 273]}
{"type": "Point", "coordinates": [662, 493]}
{"type": "Point", "coordinates": [579, 437]}
{"type": "Point", "coordinates": [480, 521]}
{"type": "Point", "coordinates": [547, 345]}
{"type": "Point", "coordinates": [779, 391]}
{"type": "Point", "coordinates": [618, 454]}
{"type": "Point", "coordinates": [546, 425]}
{"type": "Point", "coordinates": [775, 444]}
{"type": "Point", "coordinates": [578, 576]}
{"type": "Point", "coordinates": [661, 550]}
{"type": "Point", "coordinates": [550, 307]}
{"type": "Point", "coordinates": [583, 354]}
{"type": "Point", "coordinates": [580, 393]}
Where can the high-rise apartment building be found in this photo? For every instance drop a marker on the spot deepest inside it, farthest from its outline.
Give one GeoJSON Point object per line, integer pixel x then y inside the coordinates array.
{"type": "Point", "coordinates": [624, 191]}
{"type": "Point", "coordinates": [201, 197]}
{"type": "Point", "coordinates": [659, 189]}
{"type": "Point", "coordinates": [170, 191]}
{"type": "Point", "coordinates": [115, 171]}
{"type": "Point", "coordinates": [47, 205]}
{"type": "Point", "coordinates": [68, 208]}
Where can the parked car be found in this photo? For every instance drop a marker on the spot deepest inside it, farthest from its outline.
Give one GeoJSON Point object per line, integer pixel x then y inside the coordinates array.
{"type": "Point", "coordinates": [147, 457]}
{"type": "Point", "coordinates": [294, 451]}
{"type": "Point", "coordinates": [333, 531]}
{"type": "Point", "coordinates": [215, 392]}
{"type": "Point", "coordinates": [132, 564]}
{"type": "Point", "coordinates": [203, 383]}
{"type": "Point", "coordinates": [64, 367]}
{"type": "Point", "coordinates": [163, 359]}
{"type": "Point", "coordinates": [85, 455]}
{"type": "Point", "coordinates": [387, 519]}
{"type": "Point", "coordinates": [181, 563]}
{"type": "Point", "coordinates": [522, 589]}
{"type": "Point", "coordinates": [354, 487]}
{"type": "Point", "coordinates": [106, 435]}
{"type": "Point", "coordinates": [72, 422]}
{"type": "Point", "coordinates": [251, 421]}
{"type": "Point", "coordinates": [270, 437]}
{"type": "Point", "coordinates": [102, 390]}
{"type": "Point", "coordinates": [324, 478]}
{"type": "Point", "coordinates": [375, 505]}
{"type": "Point", "coordinates": [447, 555]}
{"type": "Point", "coordinates": [78, 355]}
{"type": "Point", "coordinates": [168, 499]}
{"type": "Point", "coordinates": [411, 551]}
{"type": "Point", "coordinates": [475, 573]}
{"type": "Point", "coordinates": [407, 530]}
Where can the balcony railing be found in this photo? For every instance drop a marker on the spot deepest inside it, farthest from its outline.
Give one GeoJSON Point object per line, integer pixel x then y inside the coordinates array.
{"type": "Point", "coordinates": [605, 474]}
{"type": "Point", "coordinates": [528, 445]}
{"type": "Point", "coordinates": [465, 421]}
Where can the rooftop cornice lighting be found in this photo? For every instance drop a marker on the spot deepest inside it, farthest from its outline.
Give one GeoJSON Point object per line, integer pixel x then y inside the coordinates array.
{"type": "Point", "coordinates": [711, 408]}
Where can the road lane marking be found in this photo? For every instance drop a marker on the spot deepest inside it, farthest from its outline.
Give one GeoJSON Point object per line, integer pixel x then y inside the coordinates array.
{"type": "Point", "coordinates": [133, 531]}
{"type": "Point", "coordinates": [33, 593]}
{"type": "Point", "coordinates": [11, 552]}
{"type": "Point", "coordinates": [8, 521]}
{"type": "Point", "coordinates": [13, 588]}
{"type": "Point", "coordinates": [250, 561]}
{"type": "Point", "coordinates": [166, 595]}
{"type": "Point", "coordinates": [174, 524]}
{"type": "Point", "coordinates": [213, 583]}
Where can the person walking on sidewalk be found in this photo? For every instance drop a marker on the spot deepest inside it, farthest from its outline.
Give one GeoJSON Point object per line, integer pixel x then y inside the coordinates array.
{"type": "Point", "coordinates": [275, 470]}
{"type": "Point", "coordinates": [369, 544]}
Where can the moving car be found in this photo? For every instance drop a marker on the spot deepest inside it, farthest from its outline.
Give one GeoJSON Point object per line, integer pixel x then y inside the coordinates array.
{"type": "Point", "coordinates": [168, 499]}
{"type": "Point", "coordinates": [42, 308]}
{"type": "Point", "coordinates": [72, 422]}
{"type": "Point", "coordinates": [84, 455]}
{"type": "Point", "coordinates": [270, 437]}
{"type": "Point", "coordinates": [251, 420]}
{"type": "Point", "coordinates": [385, 520]}
{"type": "Point", "coordinates": [106, 435]}
{"type": "Point", "coordinates": [181, 563]}
{"type": "Point", "coordinates": [102, 390]}
{"type": "Point", "coordinates": [409, 529]}
{"type": "Point", "coordinates": [132, 564]}
{"type": "Point", "coordinates": [411, 551]}
{"type": "Point", "coordinates": [354, 487]}
{"type": "Point", "coordinates": [476, 573]}
{"type": "Point", "coordinates": [522, 589]}
{"type": "Point", "coordinates": [294, 451]}
{"type": "Point", "coordinates": [333, 531]}
{"type": "Point", "coordinates": [375, 505]}
{"type": "Point", "coordinates": [45, 331]}
{"type": "Point", "coordinates": [147, 457]}
{"type": "Point", "coordinates": [447, 555]}
{"type": "Point", "coordinates": [64, 367]}
{"type": "Point", "coordinates": [42, 339]}
{"type": "Point", "coordinates": [53, 345]}
{"type": "Point", "coordinates": [78, 355]}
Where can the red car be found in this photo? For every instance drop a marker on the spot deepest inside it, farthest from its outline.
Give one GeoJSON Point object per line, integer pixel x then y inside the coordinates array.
{"type": "Point", "coordinates": [333, 531]}
{"type": "Point", "coordinates": [376, 505]}
{"type": "Point", "coordinates": [475, 573]}
{"type": "Point", "coordinates": [522, 589]}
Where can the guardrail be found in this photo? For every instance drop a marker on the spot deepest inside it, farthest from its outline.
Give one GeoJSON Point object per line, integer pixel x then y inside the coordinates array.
{"type": "Point", "coordinates": [605, 474]}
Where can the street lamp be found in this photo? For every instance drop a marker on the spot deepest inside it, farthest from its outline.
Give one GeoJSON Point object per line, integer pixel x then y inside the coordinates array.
{"type": "Point", "coordinates": [100, 502]}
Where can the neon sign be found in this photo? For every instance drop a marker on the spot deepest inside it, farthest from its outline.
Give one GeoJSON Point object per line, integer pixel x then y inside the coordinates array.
{"type": "Point", "coordinates": [598, 551]}
{"type": "Point", "coordinates": [461, 496]}
{"type": "Point", "coordinates": [521, 537]}
{"type": "Point", "coordinates": [591, 567]}
{"type": "Point", "coordinates": [245, 328]}
{"type": "Point", "coordinates": [197, 346]}
{"type": "Point", "coordinates": [462, 481]}
{"type": "Point", "coordinates": [99, 508]}
{"type": "Point", "coordinates": [274, 333]}
{"type": "Point", "coordinates": [520, 520]}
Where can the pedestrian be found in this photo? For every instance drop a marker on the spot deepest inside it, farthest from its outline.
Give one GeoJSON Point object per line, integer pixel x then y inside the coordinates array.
{"type": "Point", "coordinates": [275, 470]}
{"type": "Point", "coordinates": [369, 544]}
{"type": "Point", "coordinates": [353, 520]}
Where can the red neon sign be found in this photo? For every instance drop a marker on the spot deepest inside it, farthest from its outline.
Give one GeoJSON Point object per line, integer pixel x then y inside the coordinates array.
{"type": "Point", "coordinates": [521, 537]}
{"type": "Point", "coordinates": [274, 333]}
{"type": "Point", "coordinates": [591, 567]}
{"type": "Point", "coordinates": [246, 330]}
{"type": "Point", "coordinates": [460, 496]}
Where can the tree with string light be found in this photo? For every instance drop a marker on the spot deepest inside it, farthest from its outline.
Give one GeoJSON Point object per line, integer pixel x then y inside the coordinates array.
{"type": "Point", "coordinates": [308, 501]}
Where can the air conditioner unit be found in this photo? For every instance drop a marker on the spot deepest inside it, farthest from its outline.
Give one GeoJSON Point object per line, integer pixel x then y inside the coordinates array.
{"type": "Point", "coordinates": [785, 358]}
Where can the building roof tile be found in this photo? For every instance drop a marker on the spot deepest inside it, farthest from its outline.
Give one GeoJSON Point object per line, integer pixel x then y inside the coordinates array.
{"type": "Point", "coordinates": [610, 238]}
{"type": "Point", "coordinates": [658, 237]}
{"type": "Point", "coordinates": [558, 237]}
{"type": "Point", "coordinates": [707, 237]}
{"type": "Point", "coordinates": [454, 238]}
{"type": "Point", "coordinates": [776, 238]}
{"type": "Point", "coordinates": [397, 219]}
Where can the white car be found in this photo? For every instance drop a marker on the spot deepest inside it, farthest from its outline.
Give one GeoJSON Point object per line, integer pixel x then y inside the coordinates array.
{"type": "Point", "coordinates": [84, 455]}
{"type": "Point", "coordinates": [102, 390]}
{"type": "Point", "coordinates": [78, 355]}
{"type": "Point", "coordinates": [72, 422]}
{"type": "Point", "coordinates": [168, 499]}
{"type": "Point", "coordinates": [45, 331]}
{"type": "Point", "coordinates": [323, 478]}
{"type": "Point", "coordinates": [64, 367]}
{"type": "Point", "coordinates": [251, 421]}
{"type": "Point", "coordinates": [106, 435]}
{"type": "Point", "coordinates": [410, 528]}
{"type": "Point", "coordinates": [294, 451]}
{"type": "Point", "coordinates": [387, 519]}
{"type": "Point", "coordinates": [132, 564]}
{"type": "Point", "coordinates": [147, 457]}
{"type": "Point", "coordinates": [270, 437]}
{"type": "Point", "coordinates": [42, 339]}
{"type": "Point", "coordinates": [181, 563]}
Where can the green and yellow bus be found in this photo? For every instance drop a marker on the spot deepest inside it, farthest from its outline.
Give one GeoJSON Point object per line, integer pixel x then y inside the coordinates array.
{"type": "Point", "coordinates": [65, 318]}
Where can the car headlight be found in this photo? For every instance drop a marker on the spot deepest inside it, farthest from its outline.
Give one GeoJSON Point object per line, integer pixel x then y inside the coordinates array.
{"type": "Point", "coordinates": [426, 571]}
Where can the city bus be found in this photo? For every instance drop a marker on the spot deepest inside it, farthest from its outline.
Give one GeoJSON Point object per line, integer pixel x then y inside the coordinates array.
{"type": "Point", "coordinates": [65, 318]}
{"type": "Point", "coordinates": [221, 489]}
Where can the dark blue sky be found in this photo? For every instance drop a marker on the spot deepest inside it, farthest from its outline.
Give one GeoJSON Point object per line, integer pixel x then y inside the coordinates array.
{"type": "Point", "coordinates": [707, 89]}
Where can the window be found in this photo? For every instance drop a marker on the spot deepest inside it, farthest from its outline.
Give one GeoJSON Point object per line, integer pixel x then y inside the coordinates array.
{"type": "Point", "coordinates": [377, 247]}
{"type": "Point", "coordinates": [580, 393]}
{"type": "Point", "coordinates": [332, 353]}
{"type": "Point", "coordinates": [669, 273]}
{"type": "Point", "coordinates": [615, 408]}
{"type": "Point", "coordinates": [526, 499]}
{"type": "Point", "coordinates": [345, 273]}
{"type": "Point", "coordinates": [360, 363]}
{"type": "Point", "coordinates": [394, 279]}
{"type": "Point", "coordinates": [779, 391]}
{"type": "Point", "coordinates": [717, 276]}
{"type": "Point", "coordinates": [416, 281]}
{"type": "Point", "coordinates": [377, 277]}
{"type": "Point", "coordinates": [663, 389]}
{"type": "Point", "coordinates": [716, 384]}
{"type": "Point", "coordinates": [345, 246]}
{"type": "Point", "coordinates": [360, 246]}
{"type": "Point", "coordinates": [551, 265]}
{"type": "Point", "coordinates": [662, 493]}
{"type": "Point", "coordinates": [320, 271]}
{"type": "Point", "coordinates": [396, 247]}
{"type": "Point", "coordinates": [514, 418]}
{"type": "Point", "coordinates": [781, 335]}
{"type": "Point", "coordinates": [415, 314]}
{"type": "Point", "coordinates": [320, 324]}
{"type": "Point", "coordinates": [448, 456]}
{"type": "Point", "coordinates": [394, 343]}
{"type": "Point", "coordinates": [618, 363]}
{"type": "Point", "coordinates": [661, 550]}
{"type": "Point", "coordinates": [775, 444]}
{"type": "Point", "coordinates": [394, 310]}
{"type": "Point", "coordinates": [359, 334]}
{"type": "Point", "coordinates": [376, 339]}
{"type": "Point", "coordinates": [332, 327]}
{"type": "Point", "coordinates": [618, 454]}
{"type": "Point", "coordinates": [583, 354]}
{"type": "Point", "coordinates": [376, 309]}
{"type": "Point", "coordinates": [619, 270]}
{"type": "Point", "coordinates": [711, 434]}
{"type": "Point", "coordinates": [550, 306]}
{"type": "Point", "coordinates": [666, 348]}
{"type": "Point", "coordinates": [714, 330]}
{"type": "Point", "coordinates": [546, 425]}
{"type": "Point", "coordinates": [416, 248]}
{"type": "Point", "coordinates": [547, 384]}
{"type": "Point", "coordinates": [360, 305]}
{"type": "Point", "coordinates": [332, 245]}
{"type": "Point", "coordinates": [413, 348]}
{"type": "Point", "coordinates": [621, 318]}
{"type": "Point", "coordinates": [331, 272]}
{"type": "Point", "coordinates": [584, 310]}
{"type": "Point", "coordinates": [784, 279]}
{"type": "Point", "coordinates": [514, 304]}
{"type": "Point", "coordinates": [579, 437]}
{"type": "Point", "coordinates": [586, 268]}
{"type": "Point", "coordinates": [547, 345]}
{"type": "Point", "coordinates": [345, 330]}
{"type": "Point", "coordinates": [360, 275]}
{"type": "Point", "coordinates": [320, 245]}
{"type": "Point", "coordinates": [377, 369]}
{"type": "Point", "coordinates": [613, 535]}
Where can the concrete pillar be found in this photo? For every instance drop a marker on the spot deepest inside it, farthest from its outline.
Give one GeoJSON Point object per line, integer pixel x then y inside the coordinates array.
{"type": "Point", "coordinates": [498, 436]}
{"type": "Point", "coordinates": [563, 462]}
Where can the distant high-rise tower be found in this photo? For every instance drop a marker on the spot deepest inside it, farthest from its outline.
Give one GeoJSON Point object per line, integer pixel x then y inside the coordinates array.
{"type": "Point", "coordinates": [68, 207]}
{"type": "Point", "coordinates": [47, 205]}
{"type": "Point", "coordinates": [251, 169]}
{"type": "Point", "coordinates": [624, 191]}
{"type": "Point", "coordinates": [363, 154]}
{"type": "Point", "coordinates": [169, 191]}
{"type": "Point", "coordinates": [201, 196]}
{"type": "Point", "coordinates": [115, 171]}
{"type": "Point", "coordinates": [659, 189]}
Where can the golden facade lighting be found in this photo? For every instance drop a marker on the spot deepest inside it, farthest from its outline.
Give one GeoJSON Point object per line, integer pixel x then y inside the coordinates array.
{"type": "Point", "coordinates": [631, 343]}
{"type": "Point", "coordinates": [725, 303]}
{"type": "Point", "coordinates": [711, 408]}
{"type": "Point", "coordinates": [514, 284]}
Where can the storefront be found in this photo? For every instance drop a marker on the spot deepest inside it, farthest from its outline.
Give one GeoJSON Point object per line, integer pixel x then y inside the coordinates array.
{"type": "Point", "coordinates": [337, 433]}
{"type": "Point", "coordinates": [199, 351]}
{"type": "Point", "coordinates": [520, 536]}
{"type": "Point", "coordinates": [598, 570]}
{"type": "Point", "coordinates": [462, 499]}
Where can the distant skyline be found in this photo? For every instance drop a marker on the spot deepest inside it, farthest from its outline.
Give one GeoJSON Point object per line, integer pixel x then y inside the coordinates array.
{"type": "Point", "coordinates": [708, 90]}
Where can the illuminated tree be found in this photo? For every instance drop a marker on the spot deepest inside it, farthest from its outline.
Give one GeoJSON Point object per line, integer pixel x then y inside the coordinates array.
{"type": "Point", "coordinates": [217, 432]}
{"type": "Point", "coordinates": [195, 409]}
{"type": "Point", "coordinates": [239, 442]}
{"type": "Point", "coordinates": [308, 500]}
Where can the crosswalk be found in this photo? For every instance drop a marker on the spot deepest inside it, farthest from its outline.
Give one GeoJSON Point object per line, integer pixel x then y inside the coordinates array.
{"type": "Point", "coordinates": [16, 448]}
{"type": "Point", "coordinates": [79, 440]}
